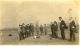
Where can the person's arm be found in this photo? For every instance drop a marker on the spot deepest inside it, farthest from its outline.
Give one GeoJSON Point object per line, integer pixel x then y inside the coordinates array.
{"type": "Point", "coordinates": [57, 26]}
{"type": "Point", "coordinates": [75, 27]}
{"type": "Point", "coordinates": [65, 25]}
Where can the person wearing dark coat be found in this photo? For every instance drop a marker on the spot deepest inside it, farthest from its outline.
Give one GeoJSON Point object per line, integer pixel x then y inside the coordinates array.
{"type": "Point", "coordinates": [55, 28]}
{"type": "Point", "coordinates": [52, 31]}
{"type": "Point", "coordinates": [22, 32]}
{"type": "Point", "coordinates": [31, 29]}
{"type": "Point", "coordinates": [41, 29]}
{"type": "Point", "coordinates": [62, 27]}
{"type": "Point", "coordinates": [27, 30]}
{"type": "Point", "coordinates": [72, 30]}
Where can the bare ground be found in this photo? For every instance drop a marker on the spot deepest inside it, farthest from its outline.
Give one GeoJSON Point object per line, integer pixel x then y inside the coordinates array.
{"type": "Point", "coordinates": [43, 40]}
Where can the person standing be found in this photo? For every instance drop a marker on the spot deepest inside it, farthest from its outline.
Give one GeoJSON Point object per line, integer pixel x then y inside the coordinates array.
{"type": "Point", "coordinates": [37, 29]}
{"type": "Point", "coordinates": [72, 30]}
{"type": "Point", "coordinates": [41, 29]}
{"type": "Point", "coordinates": [20, 32]}
{"type": "Point", "coordinates": [27, 30]}
{"type": "Point", "coordinates": [52, 31]}
{"type": "Point", "coordinates": [23, 30]}
{"type": "Point", "coordinates": [55, 28]}
{"type": "Point", "coordinates": [62, 27]}
{"type": "Point", "coordinates": [45, 29]}
{"type": "Point", "coordinates": [31, 29]}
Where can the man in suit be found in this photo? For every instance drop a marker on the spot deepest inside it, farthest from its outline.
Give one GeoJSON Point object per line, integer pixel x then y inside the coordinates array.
{"type": "Point", "coordinates": [62, 27]}
{"type": "Point", "coordinates": [72, 30]}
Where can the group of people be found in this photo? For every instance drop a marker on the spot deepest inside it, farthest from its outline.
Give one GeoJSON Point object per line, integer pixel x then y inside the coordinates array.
{"type": "Point", "coordinates": [25, 30]}
{"type": "Point", "coordinates": [72, 28]}
{"type": "Point", "coordinates": [28, 30]}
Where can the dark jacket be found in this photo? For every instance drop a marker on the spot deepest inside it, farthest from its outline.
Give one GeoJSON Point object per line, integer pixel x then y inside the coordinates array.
{"type": "Point", "coordinates": [31, 27]}
{"type": "Point", "coordinates": [62, 25]}
{"type": "Point", "coordinates": [41, 28]}
{"type": "Point", "coordinates": [72, 26]}
{"type": "Point", "coordinates": [55, 27]}
{"type": "Point", "coordinates": [52, 25]}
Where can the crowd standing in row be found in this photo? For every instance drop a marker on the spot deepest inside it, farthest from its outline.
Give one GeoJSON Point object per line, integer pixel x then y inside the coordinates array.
{"type": "Point", "coordinates": [29, 30]}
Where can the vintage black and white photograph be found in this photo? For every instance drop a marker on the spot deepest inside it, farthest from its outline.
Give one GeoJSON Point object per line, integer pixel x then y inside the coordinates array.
{"type": "Point", "coordinates": [39, 22]}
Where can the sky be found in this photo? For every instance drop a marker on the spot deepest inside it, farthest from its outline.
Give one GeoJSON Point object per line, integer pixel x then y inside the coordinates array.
{"type": "Point", "coordinates": [13, 13]}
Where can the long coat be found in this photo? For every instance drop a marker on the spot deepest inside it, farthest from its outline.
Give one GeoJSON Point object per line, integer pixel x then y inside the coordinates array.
{"type": "Point", "coordinates": [72, 26]}
{"type": "Point", "coordinates": [62, 28]}
{"type": "Point", "coordinates": [72, 30]}
{"type": "Point", "coordinates": [62, 25]}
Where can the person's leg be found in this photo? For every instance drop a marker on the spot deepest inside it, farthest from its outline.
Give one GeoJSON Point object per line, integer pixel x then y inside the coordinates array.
{"type": "Point", "coordinates": [37, 33]}
{"type": "Point", "coordinates": [27, 34]}
{"type": "Point", "coordinates": [52, 34]}
{"type": "Point", "coordinates": [23, 35]}
{"type": "Point", "coordinates": [46, 32]}
{"type": "Point", "coordinates": [41, 32]}
{"type": "Point", "coordinates": [32, 33]}
{"type": "Point", "coordinates": [20, 36]}
{"type": "Point", "coordinates": [70, 36]}
{"type": "Point", "coordinates": [56, 34]}
{"type": "Point", "coordinates": [74, 36]}
{"type": "Point", "coordinates": [62, 34]}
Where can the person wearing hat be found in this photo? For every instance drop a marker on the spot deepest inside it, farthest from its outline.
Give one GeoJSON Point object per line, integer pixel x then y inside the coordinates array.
{"type": "Point", "coordinates": [21, 34]}
{"type": "Point", "coordinates": [55, 28]}
{"type": "Point", "coordinates": [72, 28]}
{"type": "Point", "coordinates": [31, 27]}
{"type": "Point", "coordinates": [45, 29]}
{"type": "Point", "coordinates": [41, 29]}
{"type": "Point", "coordinates": [52, 30]}
{"type": "Point", "coordinates": [62, 27]}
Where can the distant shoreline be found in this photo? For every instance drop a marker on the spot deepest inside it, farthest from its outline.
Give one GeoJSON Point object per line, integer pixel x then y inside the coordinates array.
{"type": "Point", "coordinates": [15, 29]}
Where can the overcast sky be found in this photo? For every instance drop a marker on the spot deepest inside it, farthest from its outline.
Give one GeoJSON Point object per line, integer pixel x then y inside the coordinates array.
{"type": "Point", "coordinates": [14, 13]}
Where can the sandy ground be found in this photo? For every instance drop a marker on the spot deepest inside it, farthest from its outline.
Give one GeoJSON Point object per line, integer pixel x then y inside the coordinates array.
{"type": "Point", "coordinates": [0, 36]}
{"type": "Point", "coordinates": [43, 40]}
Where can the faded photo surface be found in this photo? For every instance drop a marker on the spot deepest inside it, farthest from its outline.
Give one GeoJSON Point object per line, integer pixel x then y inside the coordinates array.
{"type": "Point", "coordinates": [39, 22]}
